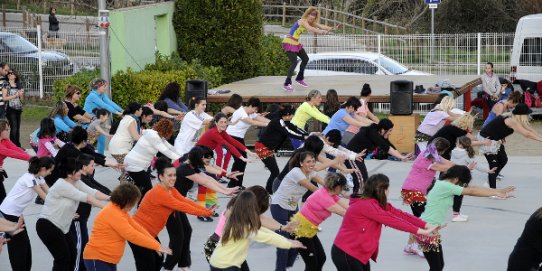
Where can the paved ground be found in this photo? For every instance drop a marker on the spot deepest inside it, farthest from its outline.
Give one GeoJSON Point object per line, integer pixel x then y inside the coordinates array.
{"type": "Point", "coordinates": [483, 243]}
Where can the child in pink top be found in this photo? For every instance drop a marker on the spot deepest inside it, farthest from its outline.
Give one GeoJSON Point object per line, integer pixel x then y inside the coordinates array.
{"type": "Point", "coordinates": [419, 180]}
{"type": "Point", "coordinates": [316, 209]}
{"type": "Point", "coordinates": [268, 222]}
{"type": "Point", "coordinates": [47, 139]}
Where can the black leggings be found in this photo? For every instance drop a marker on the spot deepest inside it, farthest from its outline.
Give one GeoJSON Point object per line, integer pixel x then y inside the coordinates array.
{"type": "Point", "coordinates": [238, 165]}
{"type": "Point", "coordinates": [435, 259]}
{"type": "Point", "coordinates": [20, 252]}
{"type": "Point", "coordinates": [314, 256]}
{"type": "Point", "coordinates": [345, 262]}
{"type": "Point", "coordinates": [61, 246]}
{"type": "Point", "coordinates": [417, 208]}
{"type": "Point", "coordinates": [142, 180]}
{"type": "Point", "coordinates": [292, 56]}
{"type": "Point", "coordinates": [180, 233]}
{"type": "Point", "coordinates": [271, 164]}
{"type": "Point", "coordinates": [146, 259]}
{"type": "Point", "coordinates": [498, 160]}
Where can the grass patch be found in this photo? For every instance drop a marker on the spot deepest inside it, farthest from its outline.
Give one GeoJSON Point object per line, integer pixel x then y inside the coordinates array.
{"type": "Point", "coordinates": [35, 112]}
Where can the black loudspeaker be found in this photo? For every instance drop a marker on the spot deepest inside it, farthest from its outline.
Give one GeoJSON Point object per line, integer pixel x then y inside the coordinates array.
{"type": "Point", "coordinates": [401, 97]}
{"type": "Point", "coordinates": [195, 88]}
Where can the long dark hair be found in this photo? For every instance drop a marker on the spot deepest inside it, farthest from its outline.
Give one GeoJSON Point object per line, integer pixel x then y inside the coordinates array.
{"type": "Point", "coordinates": [35, 164]}
{"type": "Point", "coordinates": [235, 101]}
{"type": "Point", "coordinates": [244, 218]}
{"type": "Point", "coordinates": [375, 188]}
{"type": "Point", "coordinates": [216, 119]}
{"type": "Point", "coordinates": [195, 157]}
{"type": "Point", "coordinates": [261, 196]}
{"type": "Point", "coordinates": [47, 128]}
{"type": "Point", "coordinates": [467, 144]}
{"type": "Point", "coordinates": [171, 91]}
{"type": "Point", "coordinates": [131, 108]}
{"type": "Point", "coordinates": [332, 102]}
{"type": "Point", "coordinates": [353, 102]}
{"type": "Point", "coordinates": [298, 158]}
{"type": "Point", "coordinates": [441, 144]}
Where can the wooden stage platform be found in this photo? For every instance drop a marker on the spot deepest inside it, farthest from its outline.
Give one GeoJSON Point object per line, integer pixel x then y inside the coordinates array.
{"type": "Point", "coordinates": [269, 88]}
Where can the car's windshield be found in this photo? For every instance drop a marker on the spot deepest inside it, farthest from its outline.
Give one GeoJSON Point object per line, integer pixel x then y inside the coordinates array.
{"type": "Point", "coordinates": [17, 44]}
{"type": "Point", "coordinates": [392, 65]}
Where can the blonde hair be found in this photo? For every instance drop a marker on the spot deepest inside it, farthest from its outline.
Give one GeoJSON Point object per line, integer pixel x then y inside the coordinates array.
{"type": "Point", "coordinates": [446, 104]}
{"type": "Point", "coordinates": [308, 13]}
{"type": "Point", "coordinates": [522, 119]}
{"type": "Point", "coordinates": [465, 122]}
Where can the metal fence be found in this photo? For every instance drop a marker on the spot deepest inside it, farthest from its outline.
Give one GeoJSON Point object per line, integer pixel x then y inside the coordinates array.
{"type": "Point", "coordinates": [40, 57]}
{"type": "Point", "coordinates": [452, 54]}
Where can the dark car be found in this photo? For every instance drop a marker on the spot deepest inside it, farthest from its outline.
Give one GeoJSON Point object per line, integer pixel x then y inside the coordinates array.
{"type": "Point", "coordinates": [23, 56]}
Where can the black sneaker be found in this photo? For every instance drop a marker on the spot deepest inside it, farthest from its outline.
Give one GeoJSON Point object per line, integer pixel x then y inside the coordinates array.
{"type": "Point", "coordinates": [205, 219]}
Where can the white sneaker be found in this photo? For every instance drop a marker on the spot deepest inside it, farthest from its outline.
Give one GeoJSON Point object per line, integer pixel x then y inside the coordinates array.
{"type": "Point", "coordinates": [500, 176]}
{"type": "Point", "coordinates": [460, 218]}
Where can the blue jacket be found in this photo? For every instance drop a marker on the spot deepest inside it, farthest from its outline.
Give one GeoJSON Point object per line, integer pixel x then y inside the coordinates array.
{"type": "Point", "coordinates": [95, 100]}
{"type": "Point", "coordinates": [63, 124]}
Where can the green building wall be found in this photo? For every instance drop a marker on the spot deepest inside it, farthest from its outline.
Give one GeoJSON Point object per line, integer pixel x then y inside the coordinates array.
{"type": "Point", "coordinates": [137, 33]}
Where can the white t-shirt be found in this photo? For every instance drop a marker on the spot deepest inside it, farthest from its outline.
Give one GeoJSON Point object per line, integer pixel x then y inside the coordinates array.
{"type": "Point", "coordinates": [290, 192]}
{"type": "Point", "coordinates": [62, 201]}
{"type": "Point", "coordinates": [240, 128]}
{"type": "Point", "coordinates": [122, 141]}
{"type": "Point", "coordinates": [190, 132]}
{"type": "Point", "coordinates": [21, 195]}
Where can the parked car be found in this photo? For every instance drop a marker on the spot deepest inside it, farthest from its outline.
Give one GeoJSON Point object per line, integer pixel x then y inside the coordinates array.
{"type": "Point", "coordinates": [354, 63]}
{"type": "Point", "coordinates": [23, 56]}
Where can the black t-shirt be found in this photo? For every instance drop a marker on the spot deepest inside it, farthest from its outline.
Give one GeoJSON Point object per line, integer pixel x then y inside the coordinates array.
{"type": "Point", "coordinates": [368, 139]}
{"type": "Point", "coordinates": [528, 250]}
{"type": "Point", "coordinates": [450, 133]}
{"type": "Point", "coordinates": [74, 110]}
{"type": "Point", "coordinates": [70, 151]}
{"type": "Point", "coordinates": [183, 184]}
{"type": "Point", "coordinates": [496, 129]}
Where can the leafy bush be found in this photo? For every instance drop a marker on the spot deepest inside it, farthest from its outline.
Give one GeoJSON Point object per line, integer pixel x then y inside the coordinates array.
{"type": "Point", "coordinates": [225, 33]}
{"type": "Point", "coordinates": [146, 85]}
{"type": "Point", "coordinates": [274, 61]}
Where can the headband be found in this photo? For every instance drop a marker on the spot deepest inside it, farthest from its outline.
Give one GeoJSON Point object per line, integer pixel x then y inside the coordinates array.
{"type": "Point", "coordinates": [314, 14]}
{"type": "Point", "coordinates": [432, 150]}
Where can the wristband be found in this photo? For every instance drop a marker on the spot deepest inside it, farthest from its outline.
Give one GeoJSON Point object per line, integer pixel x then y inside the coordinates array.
{"type": "Point", "coordinates": [280, 228]}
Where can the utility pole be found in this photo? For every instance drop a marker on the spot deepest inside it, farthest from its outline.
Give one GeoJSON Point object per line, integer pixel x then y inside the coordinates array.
{"type": "Point", "coordinates": [105, 60]}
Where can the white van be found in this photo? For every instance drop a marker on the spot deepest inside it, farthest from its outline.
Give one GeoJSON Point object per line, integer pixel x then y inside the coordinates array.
{"type": "Point", "coordinates": [526, 62]}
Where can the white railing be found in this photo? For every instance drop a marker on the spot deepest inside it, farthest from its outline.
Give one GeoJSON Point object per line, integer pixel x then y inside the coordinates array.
{"type": "Point", "coordinates": [454, 54]}
{"type": "Point", "coordinates": [61, 54]}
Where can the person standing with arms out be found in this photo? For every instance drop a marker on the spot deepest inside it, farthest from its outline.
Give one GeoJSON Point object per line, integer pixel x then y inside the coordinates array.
{"type": "Point", "coordinates": [277, 131]}
{"type": "Point", "coordinates": [359, 235]}
{"type": "Point", "coordinates": [243, 118]}
{"type": "Point", "coordinates": [491, 85]}
{"type": "Point", "coordinates": [58, 212]}
{"type": "Point", "coordinates": [293, 47]}
{"type": "Point", "coordinates": [8, 149]}
{"type": "Point", "coordinates": [318, 207]}
{"type": "Point", "coordinates": [13, 94]}
{"type": "Point", "coordinates": [98, 99]}
{"type": "Point", "coordinates": [20, 196]}
{"type": "Point", "coordinates": [155, 208]}
{"type": "Point", "coordinates": [454, 182]}
{"type": "Point", "coordinates": [497, 131]}
{"type": "Point", "coordinates": [306, 111]}
{"type": "Point", "coordinates": [243, 225]}
{"type": "Point", "coordinates": [4, 69]}
{"type": "Point", "coordinates": [114, 226]}
{"type": "Point", "coordinates": [53, 23]}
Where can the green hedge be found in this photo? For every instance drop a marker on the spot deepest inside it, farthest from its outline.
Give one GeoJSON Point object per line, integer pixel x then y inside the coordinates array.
{"type": "Point", "coordinates": [274, 61]}
{"type": "Point", "coordinates": [225, 33]}
{"type": "Point", "coordinates": [143, 86]}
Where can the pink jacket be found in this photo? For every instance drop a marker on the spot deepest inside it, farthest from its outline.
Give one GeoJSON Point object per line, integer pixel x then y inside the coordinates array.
{"type": "Point", "coordinates": [360, 231]}
{"type": "Point", "coordinates": [8, 149]}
